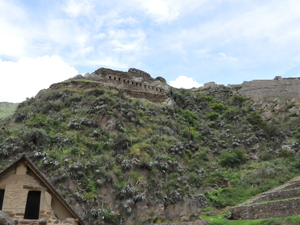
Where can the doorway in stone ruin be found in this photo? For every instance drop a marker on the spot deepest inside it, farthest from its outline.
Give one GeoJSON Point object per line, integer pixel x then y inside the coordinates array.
{"type": "Point", "coordinates": [32, 209]}
{"type": "Point", "coordinates": [1, 198]}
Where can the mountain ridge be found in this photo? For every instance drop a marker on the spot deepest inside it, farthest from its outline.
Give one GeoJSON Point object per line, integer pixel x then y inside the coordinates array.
{"type": "Point", "coordinates": [122, 158]}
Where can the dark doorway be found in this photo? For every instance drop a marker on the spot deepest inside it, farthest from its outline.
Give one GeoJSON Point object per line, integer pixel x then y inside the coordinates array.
{"type": "Point", "coordinates": [1, 198]}
{"type": "Point", "coordinates": [32, 209]}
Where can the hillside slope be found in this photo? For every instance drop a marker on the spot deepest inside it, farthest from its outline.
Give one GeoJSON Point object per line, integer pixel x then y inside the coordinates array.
{"type": "Point", "coordinates": [119, 159]}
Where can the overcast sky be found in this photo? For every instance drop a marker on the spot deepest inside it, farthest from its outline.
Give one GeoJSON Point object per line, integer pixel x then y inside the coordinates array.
{"type": "Point", "coordinates": [188, 42]}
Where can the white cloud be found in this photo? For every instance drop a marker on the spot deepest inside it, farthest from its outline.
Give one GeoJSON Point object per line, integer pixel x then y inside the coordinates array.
{"type": "Point", "coordinates": [28, 76]}
{"type": "Point", "coordinates": [161, 11]}
{"type": "Point", "coordinates": [185, 82]}
{"type": "Point", "coordinates": [166, 11]}
{"type": "Point", "coordinates": [76, 8]}
{"type": "Point", "coordinates": [12, 42]}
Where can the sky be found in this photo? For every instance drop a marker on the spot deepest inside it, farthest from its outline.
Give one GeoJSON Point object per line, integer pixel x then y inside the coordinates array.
{"type": "Point", "coordinates": [188, 42]}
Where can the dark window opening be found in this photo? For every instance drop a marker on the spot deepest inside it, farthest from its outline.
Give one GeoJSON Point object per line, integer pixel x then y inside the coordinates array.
{"type": "Point", "coordinates": [32, 209]}
{"type": "Point", "coordinates": [1, 198]}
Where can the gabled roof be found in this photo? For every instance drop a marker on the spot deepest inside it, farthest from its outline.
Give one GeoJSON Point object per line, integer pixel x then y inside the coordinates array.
{"type": "Point", "coordinates": [44, 180]}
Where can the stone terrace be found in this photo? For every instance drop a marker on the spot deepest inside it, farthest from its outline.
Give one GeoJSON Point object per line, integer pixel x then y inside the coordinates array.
{"type": "Point", "coordinates": [279, 202]}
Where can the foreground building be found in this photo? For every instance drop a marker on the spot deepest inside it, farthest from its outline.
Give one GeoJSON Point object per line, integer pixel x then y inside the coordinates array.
{"type": "Point", "coordinates": [28, 197]}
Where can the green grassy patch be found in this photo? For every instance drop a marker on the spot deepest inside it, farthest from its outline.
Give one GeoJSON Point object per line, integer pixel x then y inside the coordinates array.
{"type": "Point", "coordinates": [220, 219]}
{"type": "Point", "coordinates": [7, 109]}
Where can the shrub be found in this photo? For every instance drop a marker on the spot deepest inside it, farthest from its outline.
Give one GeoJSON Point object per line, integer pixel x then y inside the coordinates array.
{"type": "Point", "coordinates": [237, 100]}
{"type": "Point", "coordinates": [202, 97]}
{"type": "Point", "coordinates": [255, 119]}
{"type": "Point", "coordinates": [233, 159]}
{"type": "Point", "coordinates": [219, 107]}
{"type": "Point", "coordinates": [230, 114]}
{"type": "Point", "coordinates": [212, 115]}
{"type": "Point", "coordinates": [189, 116]}
{"type": "Point", "coordinates": [36, 136]}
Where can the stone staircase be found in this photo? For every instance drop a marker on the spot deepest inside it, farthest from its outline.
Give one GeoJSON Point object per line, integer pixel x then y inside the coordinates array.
{"type": "Point", "coordinates": [278, 202]}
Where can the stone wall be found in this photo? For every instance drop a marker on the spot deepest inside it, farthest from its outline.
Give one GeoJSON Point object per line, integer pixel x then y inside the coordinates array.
{"type": "Point", "coordinates": [272, 196]}
{"type": "Point", "coordinates": [277, 88]}
{"type": "Point", "coordinates": [276, 209]}
{"type": "Point", "coordinates": [134, 79]}
{"type": "Point", "coordinates": [153, 95]}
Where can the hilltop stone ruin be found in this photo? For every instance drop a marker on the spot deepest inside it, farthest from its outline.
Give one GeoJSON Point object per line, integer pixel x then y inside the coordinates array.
{"type": "Point", "coordinates": [135, 83]}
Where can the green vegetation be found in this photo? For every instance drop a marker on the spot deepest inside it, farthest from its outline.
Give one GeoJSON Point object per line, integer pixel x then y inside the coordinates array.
{"type": "Point", "coordinates": [276, 221]}
{"type": "Point", "coordinates": [7, 109]}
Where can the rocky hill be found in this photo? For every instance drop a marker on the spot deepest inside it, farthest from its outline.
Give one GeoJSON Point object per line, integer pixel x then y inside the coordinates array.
{"type": "Point", "coordinates": [125, 148]}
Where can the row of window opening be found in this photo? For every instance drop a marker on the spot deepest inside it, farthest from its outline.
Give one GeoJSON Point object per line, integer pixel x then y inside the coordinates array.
{"type": "Point", "coordinates": [135, 83]}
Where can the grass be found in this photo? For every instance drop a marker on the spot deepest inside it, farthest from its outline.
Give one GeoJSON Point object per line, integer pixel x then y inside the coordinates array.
{"type": "Point", "coordinates": [219, 220]}
{"type": "Point", "coordinates": [7, 109]}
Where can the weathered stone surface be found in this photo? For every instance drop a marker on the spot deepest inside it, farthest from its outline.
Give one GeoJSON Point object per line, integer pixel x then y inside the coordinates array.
{"type": "Point", "coordinates": [284, 199]}
{"type": "Point", "coordinates": [283, 88]}
{"type": "Point", "coordinates": [272, 196]}
{"type": "Point", "coordinates": [186, 210]}
{"type": "Point", "coordinates": [276, 209]}
{"type": "Point", "coordinates": [5, 219]}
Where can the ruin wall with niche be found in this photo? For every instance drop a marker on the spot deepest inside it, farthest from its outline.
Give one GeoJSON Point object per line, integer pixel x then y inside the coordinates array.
{"type": "Point", "coordinates": [134, 79]}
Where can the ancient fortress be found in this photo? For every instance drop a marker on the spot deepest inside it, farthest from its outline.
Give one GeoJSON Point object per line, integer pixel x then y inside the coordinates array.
{"type": "Point", "coordinates": [135, 83]}
{"type": "Point", "coordinates": [134, 79]}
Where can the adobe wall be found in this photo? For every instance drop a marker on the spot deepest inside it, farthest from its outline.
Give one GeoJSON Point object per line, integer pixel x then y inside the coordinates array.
{"type": "Point", "coordinates": [272, 196]}
{"type": "Point", "coordinates": [16, 186]}
{"type": "Point", "coordinates": [276, 209]}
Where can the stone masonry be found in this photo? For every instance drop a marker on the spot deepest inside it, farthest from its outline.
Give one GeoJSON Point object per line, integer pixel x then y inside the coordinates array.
{"type": "Point", "coordinates": [285, 88]}
{"type": "Point", "coordinates": [17, 182]}
{"type": "Point", "coordinates": [280, 202]}
{"type": "Point", "coordinates": [134, 79]}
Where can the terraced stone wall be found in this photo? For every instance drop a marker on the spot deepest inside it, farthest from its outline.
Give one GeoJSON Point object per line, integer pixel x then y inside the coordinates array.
{"type": "Point", "coordinates": [272, 196]}
{"type": "Point", "coordinates": [275, 209]}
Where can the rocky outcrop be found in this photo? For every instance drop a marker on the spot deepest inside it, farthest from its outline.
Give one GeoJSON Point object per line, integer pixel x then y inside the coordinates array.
{"type": "Point", "coordinates": [184, 211]}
